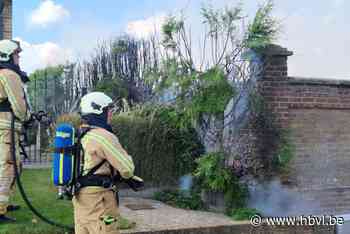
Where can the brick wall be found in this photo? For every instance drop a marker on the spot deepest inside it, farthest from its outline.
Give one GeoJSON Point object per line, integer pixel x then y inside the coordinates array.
{"type": "Point", "coordinates": [7, 19]}
{"type": "Point", "coordinates": [317, 111]}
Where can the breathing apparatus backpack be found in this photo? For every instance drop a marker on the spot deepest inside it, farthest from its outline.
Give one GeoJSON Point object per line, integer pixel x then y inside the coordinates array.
{"type": "Point", "coordinates": [68, 164]}
{"type": "Point", "coordinates": [63, 158]}
{"type": "Point", "coordinates": [67, 158]}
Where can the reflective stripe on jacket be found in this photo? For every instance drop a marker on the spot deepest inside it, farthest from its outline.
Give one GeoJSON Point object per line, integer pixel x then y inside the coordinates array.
{"type": "Point", "coordinates": [99, 144]}
{"type": "Point", "coordinates": [12, 89]}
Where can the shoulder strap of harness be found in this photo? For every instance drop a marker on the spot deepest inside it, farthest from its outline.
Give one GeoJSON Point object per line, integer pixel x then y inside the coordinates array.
{"type": "Point", "coordinates": [80, 151]}
{"type": "Point", "coordinates": [5, 106]}
{"type": "Point", "coordinates": [95, 168]}
{"type": "Point", "coordinates": [81, 134]}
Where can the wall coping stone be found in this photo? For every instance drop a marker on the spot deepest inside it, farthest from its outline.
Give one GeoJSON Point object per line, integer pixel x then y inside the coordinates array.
{"type": "Point", "coordinates": [276, 50]}
{"type": "Point", "coordinates": [318, 81]}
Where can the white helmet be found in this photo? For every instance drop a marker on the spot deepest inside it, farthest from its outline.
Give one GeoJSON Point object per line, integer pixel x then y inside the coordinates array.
{"type": "Point", "coordinates": [7, 48]}
{"type": "Point", "coordinates": [93, 103]}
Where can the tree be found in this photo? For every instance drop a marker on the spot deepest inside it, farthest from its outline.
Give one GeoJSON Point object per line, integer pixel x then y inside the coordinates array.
{"type": "Point", "coordinates": [228, 59]}
{"type": "Point", "coordinates": [117, 68]}
{"type": "Point", "coordinates": [46, 89]}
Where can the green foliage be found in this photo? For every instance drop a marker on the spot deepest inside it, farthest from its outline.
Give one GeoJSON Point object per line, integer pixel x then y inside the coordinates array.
{"type": "Point", "coordinates": [200, 93]}
{"type": "Point", "coordinates": [40, 74]}
{"type": "Point", "coordinates": [162, 151]}
{"type": "Point", "coordinates": [46, 88]}
{"type": "Point", "coordinates": [120, 45]}
{"type": "Point", "coordinates": [170, 28]}
{"type": "Point", "coordinates": [112, 87]}
{"type": "Point", "coordinates": [285, 151]}
{"type": "Point", "coordinates": [264, 119]}
{"type": "Point", "coordinates": [221, 21]}
{"type": "Point", "coordinates": [172, 73]}
{"type": "Point", "coordinates": [276, 141]}
{"type": "Point", "coordinates": [210, 170]}
{"type": "Point", "coordinates": [197, 93]}
{"type": "Point", "coordinates": [263, 29]}
{"type": "Point", "coordinates": [213, 176]}
{"type": "Point", "coordinates": [181, 199]}
{"type": "Point", "coordinates": [243, 213]}
{"type": "Point", "coordinates": [213, 96]}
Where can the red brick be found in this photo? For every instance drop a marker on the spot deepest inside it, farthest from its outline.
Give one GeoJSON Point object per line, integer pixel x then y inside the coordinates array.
{"type": "Point", "coordinates": [321, 99]}
{"type": "Point", "coordinates": [273, 73]}
{"type": "Point", "coordinates": [285, 115]}
{"type": "Point", "coordinates": [345, 100]}
{"type": "Point", "coordinates": [308, 100]}
{"type": "Point", "coordinates": [322, 105]}
{"type": "Point", "coordinates": [270, 99]}
{"type": "Point", "coordinates": [283, 104]}
{"type": "Point", "coordinates": [282, 99]}
{"type": "Point", "coordinates": [295, 99]}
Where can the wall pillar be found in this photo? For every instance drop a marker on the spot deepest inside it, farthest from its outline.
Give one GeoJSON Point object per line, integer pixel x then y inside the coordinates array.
{"type": "Point", "coordinates": [6, 20]}
{"type": "Point", "coordinates": [274, 84]}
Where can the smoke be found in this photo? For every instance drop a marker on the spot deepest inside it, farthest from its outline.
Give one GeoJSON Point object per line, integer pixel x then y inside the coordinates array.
{"type": "Point", "coordinates": [273, 199]}
{"type": "Point", "coordinates": [185, 183]}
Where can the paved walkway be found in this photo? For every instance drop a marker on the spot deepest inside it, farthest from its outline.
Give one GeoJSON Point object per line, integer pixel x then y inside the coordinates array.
{"type": "Point", "coordinates": [164, 217]}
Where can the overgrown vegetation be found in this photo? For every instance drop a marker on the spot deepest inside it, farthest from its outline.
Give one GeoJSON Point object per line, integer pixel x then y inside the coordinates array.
{"type": "Point", "coordinates": [161, 149]}
{"type": "Point", "coordinates": [45, 88]}
{"type": "Point", "coordinates": [113, 88]}
{"type": "Point", "coordinates": [285, 152]}
{"type": "Point", "coordinates": [181, 199]}
{"type": "Point", "coordinates": [73, 119]}
{"type": "Point", "coordinates": [264, 28]}
{"type": "Point", "coordinates": [210, 98]}
{"type": "Point", "coordinates": [162, 139]}
{"type": "Point", "coordinates": [214, 176]}
{"type": "Point", "coordinates": [243, 213]}
{"type": "Point", "coordinates": [275, 141]}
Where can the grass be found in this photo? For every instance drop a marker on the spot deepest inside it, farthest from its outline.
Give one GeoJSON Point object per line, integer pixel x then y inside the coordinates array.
{"type": "Point", "coordinates": [42, 193]}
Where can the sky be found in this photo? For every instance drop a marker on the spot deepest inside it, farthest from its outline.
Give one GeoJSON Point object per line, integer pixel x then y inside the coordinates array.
{"type": "Point", "coordinates": [55, 31]}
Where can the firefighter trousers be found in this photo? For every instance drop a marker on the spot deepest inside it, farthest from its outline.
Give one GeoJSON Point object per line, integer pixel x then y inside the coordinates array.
{"type": "Point", "coordinates": [96, 213]}
{"type": "Point", "coordinates": [7, 174]}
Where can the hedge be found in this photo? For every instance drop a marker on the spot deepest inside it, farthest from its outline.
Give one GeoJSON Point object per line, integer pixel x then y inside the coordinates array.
{"type": "Point", "coordinates": [162, 152]}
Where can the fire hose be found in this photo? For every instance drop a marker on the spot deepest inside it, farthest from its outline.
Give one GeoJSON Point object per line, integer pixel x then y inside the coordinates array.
{"type": "Point", "coordinates": [18, 180]}
{"type": "Point", "coordinates": [134, 184]}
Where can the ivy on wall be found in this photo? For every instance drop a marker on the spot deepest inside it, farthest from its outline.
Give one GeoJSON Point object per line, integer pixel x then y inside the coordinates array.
{"type": "Point", "coordinates": [275, 147]}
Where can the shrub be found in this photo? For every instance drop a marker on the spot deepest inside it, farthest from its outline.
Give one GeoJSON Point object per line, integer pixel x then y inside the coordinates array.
{"type": "Point", "coordinates": [73, 119]}
{"type": "Point", "coordinates": [181, 199]}
{"type": "Point", "coordinates": [214, 176]}
{"type": "Point", "coordinates": [243, 213]}
{"type": "Point", "coordinates": [161, 150]}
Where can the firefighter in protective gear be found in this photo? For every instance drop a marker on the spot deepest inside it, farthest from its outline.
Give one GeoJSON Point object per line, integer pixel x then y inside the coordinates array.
{"type": "Point", "coordinates": [13, 98]}
{"type": "Point", "coordinates": [95, 207]}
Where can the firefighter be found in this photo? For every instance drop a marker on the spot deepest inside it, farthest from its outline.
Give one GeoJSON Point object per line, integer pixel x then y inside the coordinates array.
{"type": "Point", "coordinates": [13, 99]}
{"type": "Point", "coordinates": [95, 206]}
